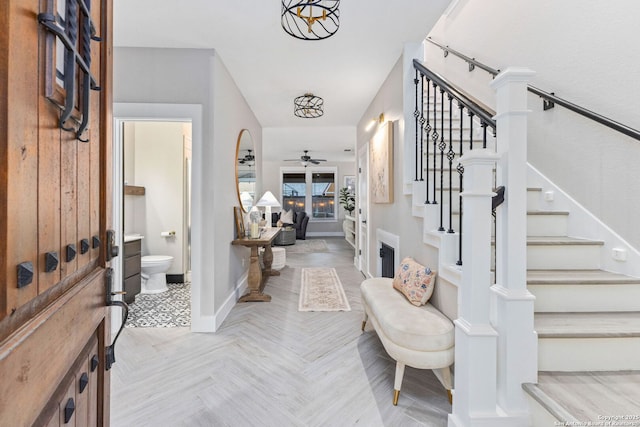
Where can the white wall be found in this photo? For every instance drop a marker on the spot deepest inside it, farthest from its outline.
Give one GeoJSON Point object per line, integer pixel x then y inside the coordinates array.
{"type": "Point", "coordinates": [583, 51]}
{"type": "Point", "coordinates": [395, 218]}
{"type": "Point", "coordinates": [159, 168]}
{"type": "Point", "coordinates": [195, 76]}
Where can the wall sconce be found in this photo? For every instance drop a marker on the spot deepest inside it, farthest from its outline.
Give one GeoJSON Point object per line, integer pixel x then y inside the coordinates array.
{"type": "Point", "coordinates": [374, 121]}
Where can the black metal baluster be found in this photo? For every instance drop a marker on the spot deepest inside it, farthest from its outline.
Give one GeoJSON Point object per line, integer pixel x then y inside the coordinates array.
{"type": "Point", "coordinates": [471, 130]}
{"type": "Point", "coordinates": [422, 128]}
{"type": "Point", "coordinates": [435, 137]}
{"type": "Point", "coordinates": [450, 155]}
{"type": "Point", "coordinates": [427, 128]}
{"type": "Point", "coordinates": [416, 114]}
{"type": "Point", "coordinates": [484, 135]}
{"type": "Point", "coordinates": [460, 170]}
{"type": "Point", "coordinates": [442, 146]}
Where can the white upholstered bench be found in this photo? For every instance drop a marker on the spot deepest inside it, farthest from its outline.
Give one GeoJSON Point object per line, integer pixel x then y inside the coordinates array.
{"type": "Point", "coordinates": [419, 337]}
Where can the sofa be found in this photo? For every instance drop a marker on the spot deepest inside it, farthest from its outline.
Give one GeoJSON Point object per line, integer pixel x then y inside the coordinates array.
{"type": "Point", "coordinates": [300, 221]}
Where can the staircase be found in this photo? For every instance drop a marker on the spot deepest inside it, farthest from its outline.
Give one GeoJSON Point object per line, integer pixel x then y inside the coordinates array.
{"type": "Point", "coordinates": [587, 319]}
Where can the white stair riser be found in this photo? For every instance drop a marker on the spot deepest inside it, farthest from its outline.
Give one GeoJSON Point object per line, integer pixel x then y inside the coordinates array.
{"type": "Point", "coordinates": [574, 298]}
{"type": "Point", "coordinates": [588, 354]}
{"type": "Point", "coordinates": [547, 225]}
{"type": "Point", "coordinates": [418, 211]}
{"type": "Point", "coordinates": [539, 414]}
{"type": "Point", "coordinates": [533, 200]}
{"type": "Point", "coordinates": [563, 257]}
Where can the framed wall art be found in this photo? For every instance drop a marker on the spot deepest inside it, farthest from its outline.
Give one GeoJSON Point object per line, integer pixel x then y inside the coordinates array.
{"type": "Point", "coordinates": [350, 183]}
{"type": "Point", "coordinates": [381, 164]}
{"type": "Point", "coordinates": [239, 218]}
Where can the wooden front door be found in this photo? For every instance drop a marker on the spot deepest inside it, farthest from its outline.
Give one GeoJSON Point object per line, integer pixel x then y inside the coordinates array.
{"type": "Point", "coordinates": [55, 150]}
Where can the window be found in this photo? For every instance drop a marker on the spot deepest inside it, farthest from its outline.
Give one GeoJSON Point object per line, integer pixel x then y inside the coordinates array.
{"type": "Point", "coordinates": [294, 191]}
{"type": "Point", "coordinates": [312, 190]}
{"type": "Point", "coordinates": [323, 195]}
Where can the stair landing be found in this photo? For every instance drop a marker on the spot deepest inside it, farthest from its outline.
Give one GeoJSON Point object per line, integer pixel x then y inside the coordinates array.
{"type": "Point", "coordinates": [585, 397]}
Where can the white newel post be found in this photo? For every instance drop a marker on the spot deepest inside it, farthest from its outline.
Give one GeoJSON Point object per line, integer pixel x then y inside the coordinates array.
{"type": "Point", "coordinates": [474, 400]}
{"type": "Point", "coordinates": [517, 342]}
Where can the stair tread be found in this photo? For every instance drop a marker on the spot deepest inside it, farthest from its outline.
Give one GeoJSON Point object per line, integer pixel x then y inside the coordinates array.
{"type": "Point", "coordinates": [539, 212]}
{"type": "Point", "coordinates": [588, 395]}
{"type": "Point", "coordinates": [580, 277]}
{"type": "Point", "coordinates": [561, 240]}
{"type": "Point", "coordinates": [587, 325]}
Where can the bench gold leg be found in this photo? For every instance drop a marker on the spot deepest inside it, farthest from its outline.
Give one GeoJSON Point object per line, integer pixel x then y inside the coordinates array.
{"type": "Point", "coordinates": [364, 322]}
{"type": "Point", "coordinates": [450, 396]}
{"type": "Point", "coordinates": [396, 395]}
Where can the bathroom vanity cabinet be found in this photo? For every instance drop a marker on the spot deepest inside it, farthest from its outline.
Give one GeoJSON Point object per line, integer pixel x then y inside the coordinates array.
{"type": "Point", "coordinates": [131, 275]}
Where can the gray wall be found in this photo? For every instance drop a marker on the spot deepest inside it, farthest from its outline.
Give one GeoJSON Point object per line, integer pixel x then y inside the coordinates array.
{"type": "Point", "coordinates": [195, 76]}
{"type": "Point", "coordinates": [583, 50]}
{"type": "Point", "coordinates": [395, 218]}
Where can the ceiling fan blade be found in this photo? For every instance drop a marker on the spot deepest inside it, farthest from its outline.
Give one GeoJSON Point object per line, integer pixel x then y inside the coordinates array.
{"type": "Point", "coordinates": [314, 161]}
{"type": "Point", "coordinates": [318, 160]}
{"type": "Point", "coordinates": [291, 160]}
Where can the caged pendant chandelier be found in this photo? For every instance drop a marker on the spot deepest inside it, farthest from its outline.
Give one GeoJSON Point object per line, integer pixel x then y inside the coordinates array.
{"type": "Point", "coordinates": [308, 106]}
{"type": "Point", "coordinates": [310, 19]}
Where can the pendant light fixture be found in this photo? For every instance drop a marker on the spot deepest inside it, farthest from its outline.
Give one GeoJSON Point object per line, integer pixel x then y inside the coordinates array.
{"type": "Point", "coordinates": [308, 106]}
{"type": "Point", "coordinates": [310, 19]}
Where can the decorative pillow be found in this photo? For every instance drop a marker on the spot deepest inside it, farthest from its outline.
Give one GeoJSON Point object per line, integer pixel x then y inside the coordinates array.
{"type": "Point", "coordinates": [415, 281]}
{"type": "Point", "coordinates": [287, 217]}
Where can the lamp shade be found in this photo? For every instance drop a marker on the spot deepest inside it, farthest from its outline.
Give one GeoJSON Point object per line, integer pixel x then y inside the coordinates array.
{"type": "Point", "coordinates": [268, 200]}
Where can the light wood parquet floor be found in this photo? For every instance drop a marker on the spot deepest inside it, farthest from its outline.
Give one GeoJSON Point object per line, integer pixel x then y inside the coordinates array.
{"type": "Point", "coordinates": [270, 365]}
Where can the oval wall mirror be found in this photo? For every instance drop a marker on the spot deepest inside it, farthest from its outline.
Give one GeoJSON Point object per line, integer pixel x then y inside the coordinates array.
{"type": "Point", "coordinates": [245, 170]}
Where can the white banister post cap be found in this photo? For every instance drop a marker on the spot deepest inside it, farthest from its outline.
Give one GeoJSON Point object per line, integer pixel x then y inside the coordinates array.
{"type": "Point", "coordinates": [512, 75]}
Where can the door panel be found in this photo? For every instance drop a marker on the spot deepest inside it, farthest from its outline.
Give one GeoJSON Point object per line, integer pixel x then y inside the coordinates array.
{"type": "Point", "coordinates": [36, 359]}
{"type": "Point", "coordinates": [54, 199]}
{"type": "Point", "coordinates": [19, 154]}
{"type": "Point", "coordinates": [48, 196]}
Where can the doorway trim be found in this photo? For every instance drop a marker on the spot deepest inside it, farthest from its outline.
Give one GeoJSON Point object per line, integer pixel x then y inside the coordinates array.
{"type": "Point", "coordinates": [164, 112]}
{"type": "Point", "coordinates": [362, 205]}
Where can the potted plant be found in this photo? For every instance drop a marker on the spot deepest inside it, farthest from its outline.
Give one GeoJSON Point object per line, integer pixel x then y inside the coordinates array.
{"type": "Point", "coordinates": [347, 200]}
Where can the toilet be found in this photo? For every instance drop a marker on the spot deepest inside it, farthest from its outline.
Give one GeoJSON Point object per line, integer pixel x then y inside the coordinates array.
{"type": "Point", "coordinates": [154, 269]}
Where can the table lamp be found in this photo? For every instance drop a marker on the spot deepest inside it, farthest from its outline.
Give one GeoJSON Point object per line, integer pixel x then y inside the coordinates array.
{"type": "Point", "coordinates": [268, 200]}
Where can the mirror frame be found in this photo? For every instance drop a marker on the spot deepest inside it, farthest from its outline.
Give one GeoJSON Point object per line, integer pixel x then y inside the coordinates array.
{"type": "Point", "coordinates": [240, 135]}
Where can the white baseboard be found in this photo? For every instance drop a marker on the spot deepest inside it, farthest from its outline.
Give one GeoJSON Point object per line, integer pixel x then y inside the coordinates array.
{"type": "Point", "coordinates": [232, 299]}
{"type": "Point", "coordinates": [203, 324]}
{"type": "Point", "coordinates": [213, 323]}
{"type": "Point", "coordinates": [325, 234]}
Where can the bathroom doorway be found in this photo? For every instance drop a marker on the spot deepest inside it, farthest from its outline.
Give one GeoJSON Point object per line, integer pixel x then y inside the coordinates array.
{"type": "Point", "coordinates": [153, 174]}
{"type": "Point", "coordinates": [155, 224]}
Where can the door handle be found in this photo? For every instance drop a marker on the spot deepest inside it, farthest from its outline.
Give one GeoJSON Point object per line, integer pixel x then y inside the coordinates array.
{"type": "Point", "coordinates": [112, 249]}
{"type": "Point", "coordinates": [110, 352]}
{"type": "Point", "coordinates": [364, 221]}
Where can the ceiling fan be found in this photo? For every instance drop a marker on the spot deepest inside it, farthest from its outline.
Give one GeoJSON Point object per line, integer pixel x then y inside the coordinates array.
{"type": "Point", "coordinates": [305, 159]}
{"type": "Point", "coordinates": [248, 158]}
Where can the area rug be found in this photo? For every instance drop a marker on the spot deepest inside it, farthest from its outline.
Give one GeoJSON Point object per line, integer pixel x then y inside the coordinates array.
{"type": "Point", "coordinates": [321, 290]}
{"type": "Point", "coordinates": [169, 309]}
{"type": "Point", "coordinates": [308, 246]}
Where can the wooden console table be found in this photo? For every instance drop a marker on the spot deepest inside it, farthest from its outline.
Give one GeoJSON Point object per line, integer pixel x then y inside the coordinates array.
{"type": "Point", "coordinates": [257, 277]}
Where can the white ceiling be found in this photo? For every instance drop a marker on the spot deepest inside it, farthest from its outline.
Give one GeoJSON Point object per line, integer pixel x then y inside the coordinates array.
{"type": "Point", "coordinates": [271, 68]}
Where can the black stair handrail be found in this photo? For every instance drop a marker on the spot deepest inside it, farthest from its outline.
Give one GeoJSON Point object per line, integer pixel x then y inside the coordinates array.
{"type": "Point", "coordinates": [482, 111]}
{"type": "Point", "coordinates": [553, 99]}
{"type": "Point", "coordinates": [471, 61]}
{"type": "Point", "coordinates": [549, 97]}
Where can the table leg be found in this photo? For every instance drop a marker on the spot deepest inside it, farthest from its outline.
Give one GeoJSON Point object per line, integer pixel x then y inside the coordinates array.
{"type": "Point", "coordinates": [255, 280]}
{"type": "Point", "coordinates": [268, 260]}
